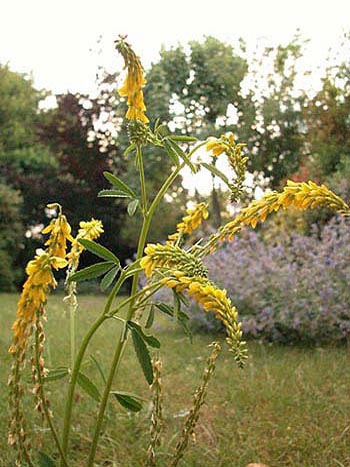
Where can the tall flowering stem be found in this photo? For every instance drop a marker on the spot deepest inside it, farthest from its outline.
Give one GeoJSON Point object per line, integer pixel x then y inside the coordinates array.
{"type": "Point", "coordinates": [88, 231]}
{"type": "Point", "coordinates": [29, 317]}
{"type": "Point", "coordinates": [198, 401]}
{"type": "Point", "coordinates": [157, 413]}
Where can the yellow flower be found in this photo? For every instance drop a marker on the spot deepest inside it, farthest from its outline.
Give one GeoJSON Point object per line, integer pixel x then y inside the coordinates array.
{"type": "Point", "coordinates": [220, 145]}
{"type": "Point", "coordinates": [192, 221]}
{"type": "Point", "coordinates": [133, 84]}
{"type": "Point", "coordinates": [215, 300]}
{"type": "Point", "coordinates": [88, 231]}
{"type": "Point", "coordinates": [301, 196]}
{"type": "Point", "coordinates": [60, 232]}
{"type": "Point", "coordinates": [168, 256]}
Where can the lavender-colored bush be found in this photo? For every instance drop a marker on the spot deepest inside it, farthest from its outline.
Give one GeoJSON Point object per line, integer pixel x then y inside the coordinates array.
{"type": "Point", "coordinates": [287, 289]}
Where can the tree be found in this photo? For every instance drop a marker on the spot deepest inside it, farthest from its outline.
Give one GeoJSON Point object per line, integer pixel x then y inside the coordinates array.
{"type": "Point", "coordinates": [26, 165]}
{"type": "Point", "coordinates": [327, 119]}
{"type": "Point", "coordinates": [11, 236]}
{"type": "Point", "coordinates": [276, 138]}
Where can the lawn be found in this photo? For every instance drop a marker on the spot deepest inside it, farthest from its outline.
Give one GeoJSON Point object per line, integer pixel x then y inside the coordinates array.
{"type": "Point", "coordinates": [289, 407]}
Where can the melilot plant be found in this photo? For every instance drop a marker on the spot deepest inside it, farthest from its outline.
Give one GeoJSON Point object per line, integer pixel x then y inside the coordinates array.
{"type": "Point", "coordinates": [170, 265]}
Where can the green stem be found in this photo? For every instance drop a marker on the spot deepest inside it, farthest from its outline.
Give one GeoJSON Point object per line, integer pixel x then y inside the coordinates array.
{"type": "Point", "coordinates": [142, 180]}
{"type": "Point", "coordinates": [149, 288]}
{"type": "Point", "coordinates": [122, 339]}
{"type": "Point", "coordinates": [43, 399]}
{"type": "Point", "coordinates": [78, 361]}
{"type": "Point", "coordinates": [147, 217]}
{"type": "Point", "coordinates": [72, 336]}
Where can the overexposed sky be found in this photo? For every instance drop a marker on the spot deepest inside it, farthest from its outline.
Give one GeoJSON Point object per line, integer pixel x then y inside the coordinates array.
{"type": "Point", "coordinates": [56, 41]}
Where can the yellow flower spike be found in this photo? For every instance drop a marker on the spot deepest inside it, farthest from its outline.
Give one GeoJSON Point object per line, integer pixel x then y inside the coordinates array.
{"type": "Point", "coordinates": [298, 195]}
{"type": "Point", "coordinates": [133, 83]}
{"type": "Point", "coordinates": [192, 221]}
{"type": "Point", "coordinates": [170, 256]}
{"type": "Point", "coordinates": [29, 316]}
{"type": "Point", "coordinates": [214, 300]}
{"type": "Point", "coordinates": [60, 232]}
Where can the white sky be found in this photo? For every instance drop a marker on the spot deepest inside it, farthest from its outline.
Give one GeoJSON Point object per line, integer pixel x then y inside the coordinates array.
{"type": "Point", "coordinates": [54, 39]}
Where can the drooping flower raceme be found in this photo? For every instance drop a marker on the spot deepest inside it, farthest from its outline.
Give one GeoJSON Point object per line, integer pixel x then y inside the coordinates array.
{"type": "Point", "coordinates": [211, 298]}
{"type": "Point", "coordinates": [133, 84]}
{"type": "Point", "coordinates": [184, 272]}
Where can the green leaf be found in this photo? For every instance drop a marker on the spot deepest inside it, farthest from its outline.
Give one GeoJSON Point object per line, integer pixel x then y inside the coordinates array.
{"type": "Point", "coordinates": [112, 194]}
{"type": "Point", "coordinates": [128, 401]}
{"type": "Point", "coordinates": [132, 206]}
{"type": "Point", "coordinates": [120, 184]}
{"type": "Point", "coordinates": [215, 171]}
{"type": "Point", "coordinates": [150, 340]}
{"type": "Point", "coordinates": [182, 155]}
{"type": "Point", "coordinates": [180, 316]}
{"type": "Point", "coordinates": [165, 309]}
{"type": "Point", "coordinates": [56, 373]}
{"type": "Point", "coordinates": [45, 460]}
{"type": "Point", "coordinates": [99, 367]}
{"type": "Point", "coordinates": [129, 149]}
{"type": "Point", "coordinates": [186, 139]}
{"type": "Point", "coordinates": [177, 305]}
{"type": "Point", "coordinates": [99, 250]}
{"type": "Point", "coordinates": [182, 319]}
{"type": "Point", "coordinates": [182, 298]}
{"type": "Point", "coordinates": [88, 386]}
{"type": "Point", "coordinates": [91, 272]}
{"type": "Point", "coordinates": [172, 153]}
{"type": "Point", "coordinates": [150, 318]}
{"type": "Point", "coordinates": [109, 278]}
{"type": "Point", "coordinates": [143, 356]}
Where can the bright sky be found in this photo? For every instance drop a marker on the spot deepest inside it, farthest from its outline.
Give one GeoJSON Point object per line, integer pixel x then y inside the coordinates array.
{"type": "Point", "coordinates": [57, 40]}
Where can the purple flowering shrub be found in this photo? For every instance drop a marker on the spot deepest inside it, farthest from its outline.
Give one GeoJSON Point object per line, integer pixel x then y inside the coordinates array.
{"type": "Point", "coordinates": [293, 288]}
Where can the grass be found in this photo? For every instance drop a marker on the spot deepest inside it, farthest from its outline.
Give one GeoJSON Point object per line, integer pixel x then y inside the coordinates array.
{"type": "Point", "coordinates": [289, 407]}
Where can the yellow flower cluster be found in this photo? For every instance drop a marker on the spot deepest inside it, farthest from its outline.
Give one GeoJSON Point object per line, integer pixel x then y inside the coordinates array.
{"type": "Point", "coordinates": [33, 297]}
{"type": "Point", "coordinates": [171, 256]}
{"type": "Point", "coordinates": [220, 145]}
{"type": "Point", "coordinates": [298, 195]}
{"type": "Point", "coordinates": [226, 144]}
{"type": "Point", "coordinates": [212, 299]}
{"type": "Point", "coordinates": [192, 221]}
{"type": "Point", "coordinates": [60, 232]}
{"type": "Point", "coordinates": [88, 231]}
{"type": "Point", "coordinates": [133, 84]}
